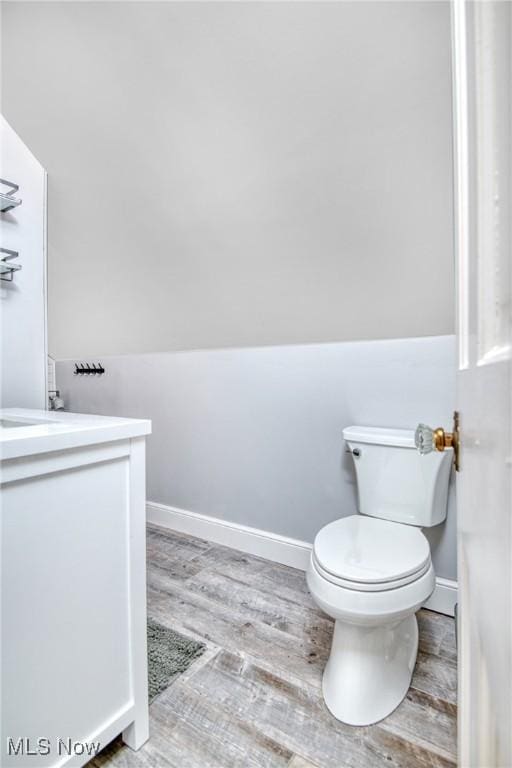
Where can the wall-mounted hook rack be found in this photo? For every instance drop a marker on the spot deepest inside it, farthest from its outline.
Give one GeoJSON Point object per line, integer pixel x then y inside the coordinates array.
{"type": "Point", "coordinates": [7, 270]}
{"type": "Point", "coordinates": [82, 369]}
{"type": "Point", "coordinates": [7, 199]}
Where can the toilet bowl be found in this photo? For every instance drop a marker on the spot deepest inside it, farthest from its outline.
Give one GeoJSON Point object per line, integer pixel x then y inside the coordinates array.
{"type": "Point", "coordinates": [372, 573]}
{"type": "Point", "coordinates": [375, 638]}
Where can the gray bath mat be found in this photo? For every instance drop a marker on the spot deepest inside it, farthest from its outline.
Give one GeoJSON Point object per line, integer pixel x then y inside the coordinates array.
{"type": "Point", "coordinates": [169, 654]}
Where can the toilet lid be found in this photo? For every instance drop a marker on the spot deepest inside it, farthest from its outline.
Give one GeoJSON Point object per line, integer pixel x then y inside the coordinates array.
{"type": "Point", "coordinates": [370, 551]}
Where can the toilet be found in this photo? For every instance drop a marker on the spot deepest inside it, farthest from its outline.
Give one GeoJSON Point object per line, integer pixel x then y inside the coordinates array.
{"type": "Point", "coordinates": [372, 571]}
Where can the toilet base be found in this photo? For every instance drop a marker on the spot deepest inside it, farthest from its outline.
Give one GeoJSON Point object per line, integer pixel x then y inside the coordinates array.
{"type": "Point", "coordinates": [369, 670]}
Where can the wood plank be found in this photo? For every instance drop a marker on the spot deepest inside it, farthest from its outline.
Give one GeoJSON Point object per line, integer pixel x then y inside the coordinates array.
{"type": "Point", "coordinates": [272, 579]}
{"type": "Point", "coordinates": [448, 649]}
{"type": "Point", "coordinates": [174, 547]}
{"type": "Point", "coordinates": [218, 555]}
{"type": "Point", "coordinates": [174, 554]}
{"type": "Point", "coordinates": [425, 722]}
{"type": "Point", "coordinates": [201, 618]}
{"type": "Point", "coordinates": [235, 585]}
{"type": "Point", "coordinates": [254, 698]}
{"type": "Point", "coordinates": [390, 749]}
{"type": "Point", "coordinates": [437, 634]}
{"type": "Point", "coordinates": [299, 762]}
{"type": "Point", "coordinates": [118, 755]}
{"type": "Point", "coordinates": [297, 718]}
{"type": "Point", "coordinates": [436, 676]}
{"type": "Point", "coordinates": [209, 736]}
{"type": "Point", "coordinates": [274, 610]}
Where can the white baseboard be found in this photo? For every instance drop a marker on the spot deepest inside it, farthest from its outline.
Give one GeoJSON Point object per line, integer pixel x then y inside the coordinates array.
{"type": "Point", "coordinates": [444, 597]}
{"type": "Point", "coordinates": [271, 546]}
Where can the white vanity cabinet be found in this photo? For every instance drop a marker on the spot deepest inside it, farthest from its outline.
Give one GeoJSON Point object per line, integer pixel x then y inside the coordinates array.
{"type": "Point", "coordinates": [73, 586]}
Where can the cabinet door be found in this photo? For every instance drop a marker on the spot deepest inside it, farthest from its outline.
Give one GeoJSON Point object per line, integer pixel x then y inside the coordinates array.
{"type": "Point", "coordinates": [66, 665]}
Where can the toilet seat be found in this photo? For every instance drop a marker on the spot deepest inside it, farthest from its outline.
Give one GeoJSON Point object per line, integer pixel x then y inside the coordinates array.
{"type": "Point", "coordinates": [368, 587]}
{"type": "Point", "coordinates": [369, 608]}
{"type": "Point", "coordinates": [368, 554]}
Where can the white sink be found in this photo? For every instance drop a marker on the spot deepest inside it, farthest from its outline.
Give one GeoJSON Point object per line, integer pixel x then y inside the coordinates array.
{"type": "Point", "coordinates": [13, 424]}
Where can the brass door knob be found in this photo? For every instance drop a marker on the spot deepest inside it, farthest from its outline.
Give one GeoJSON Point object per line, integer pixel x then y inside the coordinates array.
{"type": "Point", "coordinates": [427, 439]}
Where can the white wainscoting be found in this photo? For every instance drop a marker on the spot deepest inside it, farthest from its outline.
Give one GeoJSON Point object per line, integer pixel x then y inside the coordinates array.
{"type": "Point", "coordinates": [272, 546]}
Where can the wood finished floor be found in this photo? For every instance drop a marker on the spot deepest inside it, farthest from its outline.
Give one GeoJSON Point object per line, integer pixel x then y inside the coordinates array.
{"type": "Point", "coordinates": [254, 699]}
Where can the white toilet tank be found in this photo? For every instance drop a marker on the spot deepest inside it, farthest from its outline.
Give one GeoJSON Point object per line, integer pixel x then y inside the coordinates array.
{"type": "Point", "coordinates": [395, 482]}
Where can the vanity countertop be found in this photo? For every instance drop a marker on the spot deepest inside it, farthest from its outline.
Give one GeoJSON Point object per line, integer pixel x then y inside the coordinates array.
{"type": "Point", "coordinates": [25, 432]}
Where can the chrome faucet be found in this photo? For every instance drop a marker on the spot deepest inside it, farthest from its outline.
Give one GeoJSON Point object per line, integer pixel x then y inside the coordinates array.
{"type": "Point", "coordinates": [55, 401]}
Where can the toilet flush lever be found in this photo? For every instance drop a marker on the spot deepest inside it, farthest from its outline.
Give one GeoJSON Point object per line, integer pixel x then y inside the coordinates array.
{"type": "Point", "coordinates": [427, 439]}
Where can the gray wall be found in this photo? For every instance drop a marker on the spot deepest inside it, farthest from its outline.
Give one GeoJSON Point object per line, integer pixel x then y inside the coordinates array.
{"type": "Point", "coordinates": [227, 174]}
{"type": "Point", "coordinates": [253, 436]}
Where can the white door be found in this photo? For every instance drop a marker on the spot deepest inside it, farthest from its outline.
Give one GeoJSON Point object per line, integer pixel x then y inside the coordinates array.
{"type": "Point", "coordinates": [482, 36]}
